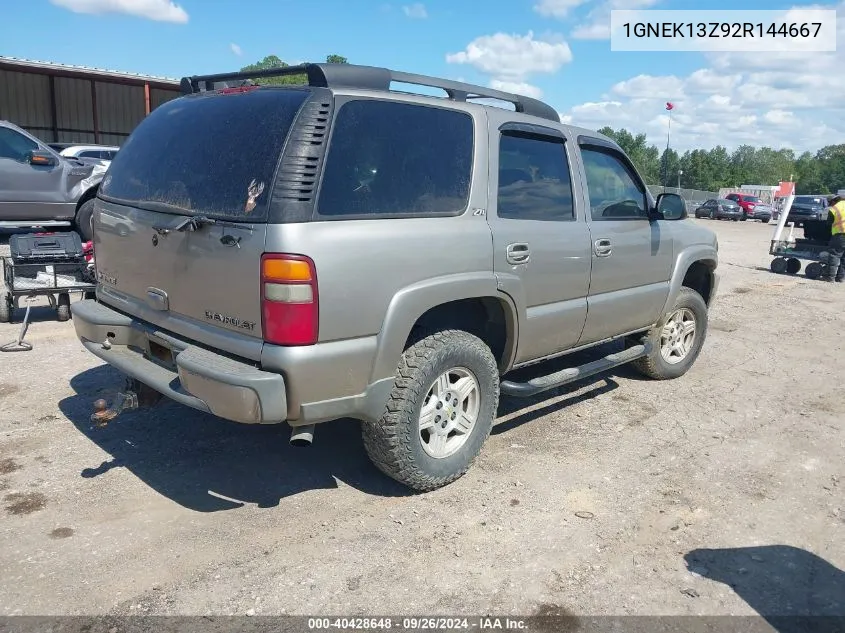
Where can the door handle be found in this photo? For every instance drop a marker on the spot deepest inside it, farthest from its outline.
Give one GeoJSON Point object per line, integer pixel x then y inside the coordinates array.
{"type": "Point", "coordinates": [603, 247]}
{"type": "Point", "coordinates": [517, 253]}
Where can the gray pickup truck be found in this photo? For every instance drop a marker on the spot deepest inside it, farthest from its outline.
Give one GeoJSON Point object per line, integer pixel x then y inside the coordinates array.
{"type": "Point", "coordinates": [341, 249]}
{"type": "Point", "coordinates": [40, 188]}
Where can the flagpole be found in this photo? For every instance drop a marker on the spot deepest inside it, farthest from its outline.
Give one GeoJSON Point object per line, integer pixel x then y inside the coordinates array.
{"type": "Point", "coordinates": [666, 154]}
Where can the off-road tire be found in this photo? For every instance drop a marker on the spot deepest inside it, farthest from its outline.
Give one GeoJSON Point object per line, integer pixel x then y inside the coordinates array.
{"type": "Point", "coordinates": [5, 308]}
{"type": "Point", "coordinates": [83, 220]}
{"type": "Point", "coordinates": [63, 307]}
{"type": "Point", "coordinates": [654, 365]}
{"type": "Point", "coordinates": [393, 443]}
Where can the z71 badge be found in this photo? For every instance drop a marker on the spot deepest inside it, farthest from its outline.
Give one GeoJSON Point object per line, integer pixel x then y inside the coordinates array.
{"type": "Point", "coordinates": [230, 320]}
{"type": "Point", "coordinates": [105, 278]}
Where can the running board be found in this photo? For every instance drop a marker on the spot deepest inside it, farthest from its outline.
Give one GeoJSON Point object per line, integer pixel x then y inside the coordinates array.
{"type": "Point", "coordinates": [571, 374]}
{"type": "Point", "coordinates": [33, 225]}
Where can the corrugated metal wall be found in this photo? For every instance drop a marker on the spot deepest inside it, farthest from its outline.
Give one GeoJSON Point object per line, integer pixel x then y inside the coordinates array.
{"type": "Point", "coordinates": [25, 101]}
{"type": "Point", "coordinates": [119, 109]}
{"type": "Point", "coordinates": [74, 111]}
{"type": "Point", "coordinates": [159, 96]}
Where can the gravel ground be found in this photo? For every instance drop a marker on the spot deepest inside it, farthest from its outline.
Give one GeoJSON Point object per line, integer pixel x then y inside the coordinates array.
{"type": "Point", "coordinates": [718, 493]}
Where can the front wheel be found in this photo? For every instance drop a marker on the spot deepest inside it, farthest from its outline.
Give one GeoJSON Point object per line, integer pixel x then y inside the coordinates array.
{"type": "Point", "coordinates": [677, 339]}
{"type": "Point", "coordinates": [440, 411]}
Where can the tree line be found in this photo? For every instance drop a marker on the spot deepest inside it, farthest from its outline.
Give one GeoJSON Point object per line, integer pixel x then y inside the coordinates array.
{"type": "Point", "coordinates": [822, 172]}
{"type": "Point", "coordinates": [272, 61]}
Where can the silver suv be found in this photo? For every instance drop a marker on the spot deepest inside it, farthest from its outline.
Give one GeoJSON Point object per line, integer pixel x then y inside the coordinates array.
{"type": "Point", "coordinates": [306, 253]}
{"type": "Point", "coordinates": [40, 187]}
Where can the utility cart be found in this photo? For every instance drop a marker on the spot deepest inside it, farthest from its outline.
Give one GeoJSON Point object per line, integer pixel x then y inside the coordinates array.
{"type": "Point", "coordinates": [789, 251]}
{"type": "Point", "coordinates": [51, 265]}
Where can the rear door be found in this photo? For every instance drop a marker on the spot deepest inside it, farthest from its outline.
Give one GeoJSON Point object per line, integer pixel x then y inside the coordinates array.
{"type": "Point", "coordinates": [181, 218]}
{"type": "Point", "coordinates": [540, 239]}
{"type": "Point", "coordinates": [632, 256]}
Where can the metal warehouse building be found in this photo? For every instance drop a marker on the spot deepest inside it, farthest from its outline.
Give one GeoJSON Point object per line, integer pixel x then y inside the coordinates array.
{"type": "Point", "coordinates": [76, 104]}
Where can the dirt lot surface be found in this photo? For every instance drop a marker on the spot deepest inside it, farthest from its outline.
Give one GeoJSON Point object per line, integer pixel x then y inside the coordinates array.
{"type": "Point", "coordinates": [718, 493]}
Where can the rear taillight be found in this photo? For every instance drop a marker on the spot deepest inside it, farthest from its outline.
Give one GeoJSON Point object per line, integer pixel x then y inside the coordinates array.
{"type": "Point", "coordinates": [289, 301]}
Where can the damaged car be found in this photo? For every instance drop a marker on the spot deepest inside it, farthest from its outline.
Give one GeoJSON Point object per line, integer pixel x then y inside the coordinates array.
{"type": "Point", "coordinates": [39, 187]}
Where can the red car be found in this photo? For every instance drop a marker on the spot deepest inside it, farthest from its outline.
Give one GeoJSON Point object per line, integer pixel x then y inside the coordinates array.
{"type": "Point", "coordinates": [752, 207]}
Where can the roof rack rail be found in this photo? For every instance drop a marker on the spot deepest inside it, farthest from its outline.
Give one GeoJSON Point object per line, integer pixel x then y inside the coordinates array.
{"type": "Point", "coordinates": [369, 78]}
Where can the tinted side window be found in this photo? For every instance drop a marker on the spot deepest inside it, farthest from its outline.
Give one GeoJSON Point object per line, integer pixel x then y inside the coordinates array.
{"type": "Point", "coordinates": [613, 191]}
{"type": "Point", "coordinates": [534, 179]}
{"type": "Point", "coordinates": [397, 159]}
{"type": "Point", "coordinates": [15, 145]}
{"type": "Point", "coordinates": [90, 154]}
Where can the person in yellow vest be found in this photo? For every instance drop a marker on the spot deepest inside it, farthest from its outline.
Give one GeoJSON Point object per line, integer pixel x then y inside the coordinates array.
{"type": "Point", "coordinates": [836, 247]}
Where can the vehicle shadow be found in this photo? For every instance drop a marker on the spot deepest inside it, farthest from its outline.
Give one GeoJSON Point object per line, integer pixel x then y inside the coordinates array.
{"type": "Point", "coordinates": [791, 588]}
{"type": "Point", "coordinates": [207, 464]}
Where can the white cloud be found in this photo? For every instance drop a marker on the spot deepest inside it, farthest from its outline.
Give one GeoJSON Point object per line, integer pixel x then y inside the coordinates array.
{"type": "Point", "coordinates": [517, 87]}
{"type": "Point", "coordinates": [597, 25]}
{"type": "Point", "coordinates": [509, 60]}
{"type": "Point", "coordinates": [645, 86]}
{"type": "Point", "coordinates": [513, 56]}
{"type": "Point", "coordinates": [158, 10]}
{"type": "Point", "coordinates": [557, 8]}
{"type": "Point", "coordinates": [236, 49]}
{"type": "Point", "coordinates": [779, 99]}
{"type": "Point", "coordinates": [415, 11]}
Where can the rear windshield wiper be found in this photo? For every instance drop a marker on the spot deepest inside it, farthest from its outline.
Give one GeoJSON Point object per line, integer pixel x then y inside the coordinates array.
{"type": "Point", "coordinates": [195, 223]}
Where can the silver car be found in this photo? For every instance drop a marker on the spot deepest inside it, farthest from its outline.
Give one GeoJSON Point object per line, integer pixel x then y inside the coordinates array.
{"type": "Point", "coordinates": [39, 187]}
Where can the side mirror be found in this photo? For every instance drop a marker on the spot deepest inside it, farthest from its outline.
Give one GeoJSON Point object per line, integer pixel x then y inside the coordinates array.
{"type": "Point", "coordinates": [41, 158]}
{"type": "Point", "coordinates": [671, 206]}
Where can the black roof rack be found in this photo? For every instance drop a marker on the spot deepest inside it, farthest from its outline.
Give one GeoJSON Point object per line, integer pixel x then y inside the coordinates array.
{"type": "Point", "coordinates": [369, 78]}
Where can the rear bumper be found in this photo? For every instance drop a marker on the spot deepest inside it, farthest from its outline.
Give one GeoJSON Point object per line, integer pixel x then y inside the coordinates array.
{"type": "Point", "coordinates": [193, 376]}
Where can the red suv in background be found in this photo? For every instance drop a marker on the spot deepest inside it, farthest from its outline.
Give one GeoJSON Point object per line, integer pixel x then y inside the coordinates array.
{"type": "Point", "coordinates": [752, 207]}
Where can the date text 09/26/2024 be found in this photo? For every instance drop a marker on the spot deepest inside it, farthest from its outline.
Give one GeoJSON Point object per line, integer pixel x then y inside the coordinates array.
{"type": "Point", "coordinates": [707, 30]}
{"type": "Point", "coordinates": [417, 624]}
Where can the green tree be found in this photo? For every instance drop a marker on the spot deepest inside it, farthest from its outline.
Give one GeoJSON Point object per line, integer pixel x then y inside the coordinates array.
{"type": "Point", "coordinates": [273, 61]}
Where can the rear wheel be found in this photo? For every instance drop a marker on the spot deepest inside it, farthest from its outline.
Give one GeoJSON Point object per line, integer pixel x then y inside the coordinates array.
{"type": "Point", "coordinates": [440, 411]}
{"type": "Point", "coordinates": [84, 218]}
{"type": "Point", "coordinates": [778, 265]}
{"type": "Point", "coordinates": [677, 339]}
{"type": "Point", "coordinates": [63, 307]}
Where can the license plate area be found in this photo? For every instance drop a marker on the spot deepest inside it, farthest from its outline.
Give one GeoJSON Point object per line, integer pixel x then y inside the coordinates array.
{"type": "Point", "coordinates": [161, 354]}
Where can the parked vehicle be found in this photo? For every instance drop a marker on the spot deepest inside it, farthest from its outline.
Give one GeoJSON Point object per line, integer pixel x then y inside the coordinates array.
{"type": "Point", "coordinates": [808, 209]}
{"type": "Point", "coordinates": [93, 152]}
{"type": "Point", "coordinates": [367, 256]}
{"type": "Point", "coordinates": [41, 188]}
{"type": "Point", "coordinates": [719, 209]}
{"type": "Point", "coordinates": [752, 207]}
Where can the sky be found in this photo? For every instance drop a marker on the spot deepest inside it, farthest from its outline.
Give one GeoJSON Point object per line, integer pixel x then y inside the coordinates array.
{"type": "Point", "coordinates": [556, 50]}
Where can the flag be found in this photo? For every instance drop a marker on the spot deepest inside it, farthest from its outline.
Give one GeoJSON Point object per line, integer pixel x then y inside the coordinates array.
{"type": "Point", "coordinates": [669, 105]}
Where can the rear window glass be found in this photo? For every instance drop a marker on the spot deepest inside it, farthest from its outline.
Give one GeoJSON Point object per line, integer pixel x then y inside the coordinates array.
{"type": "Point", "coordinates": [389, 159]}
{"type": "Point", "coordinates": [212, 155]}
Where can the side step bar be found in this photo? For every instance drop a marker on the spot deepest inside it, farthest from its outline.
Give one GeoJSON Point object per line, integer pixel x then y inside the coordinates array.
{"type": "Point", "coordinates": [571, 374]}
